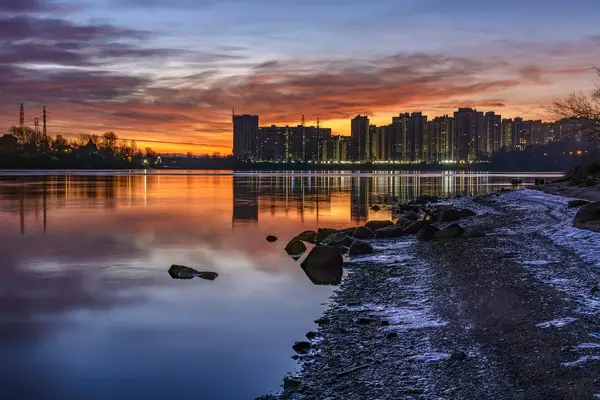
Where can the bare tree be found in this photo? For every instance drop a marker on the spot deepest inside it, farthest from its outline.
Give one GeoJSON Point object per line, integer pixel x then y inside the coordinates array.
{"type": "Point", "coordinates": [579, 114]}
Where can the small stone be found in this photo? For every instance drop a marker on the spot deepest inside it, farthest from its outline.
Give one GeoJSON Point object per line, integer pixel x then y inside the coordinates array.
{"type": "Point", "coordinates": [594, 290]}
{"type": "Point", "coordinates": [360, 248]}
{"type": "Point", "coordinates": [577, 203]}
{"type": "Point", "coordinates": [391, 335]}
{"type": "Point", "coordinates": [295, 357]}
{"type": "Point", "coordinates": [362, 232]}
{"type": "Point", "coordinates": [375, 208]}
{"type": "Point", "coordinates": [271, 238]}
{"type": "Point", "coordinates": [364, 321]}
{"type": "Point", "coordinates": [458, 355]}
{"type": "Point", "coordinates": [311, 335]}
{"type": "Point", "coordinates": [301, 347]}
{"type": "Point", "coordinates": [414, 391]}
{"type": "Point", "coordinates": [322, 321]}
{"type": "Point", "coordinates": [291, 383]}
{"type": "Point", "coordinates": [385, 323]}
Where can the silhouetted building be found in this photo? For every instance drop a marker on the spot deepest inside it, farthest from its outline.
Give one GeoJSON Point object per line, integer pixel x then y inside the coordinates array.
{"type": "Point", "coordinates": [506, 139]}
{"type": "Point", "coordinates": [441, 139]}
{"type": "Point", "coordinates": [359, 131]}
{"type": "Point", "coordinates": [397, 138]}
{"type": "Point", "coordinates": [245, 134]}
{"type": "Point", "coordinates": [469, 129]}
{"type": "Point", "coordinates": [415, 136]}
{"type": "Point", "coordinates": [492, 128]}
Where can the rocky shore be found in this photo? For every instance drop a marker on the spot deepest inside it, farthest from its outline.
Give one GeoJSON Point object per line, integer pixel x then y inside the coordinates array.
{"type": "Point", "coordinates": [503, 305]}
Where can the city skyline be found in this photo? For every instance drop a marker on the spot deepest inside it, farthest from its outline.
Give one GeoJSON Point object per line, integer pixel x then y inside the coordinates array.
{"type": "Point", "coordinates": [168, 75]}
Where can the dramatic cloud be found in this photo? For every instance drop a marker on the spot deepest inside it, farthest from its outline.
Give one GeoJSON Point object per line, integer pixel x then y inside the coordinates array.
{"type": "Point", "coordinates": [171, 78]}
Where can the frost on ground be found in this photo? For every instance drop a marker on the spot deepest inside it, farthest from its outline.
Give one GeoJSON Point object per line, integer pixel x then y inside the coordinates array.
{"type": "Point", "coordinates": [557, 323]}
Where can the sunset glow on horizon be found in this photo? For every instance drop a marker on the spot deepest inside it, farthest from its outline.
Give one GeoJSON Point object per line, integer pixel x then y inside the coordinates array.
{"type": "Point", "coordinates": [168, 75]}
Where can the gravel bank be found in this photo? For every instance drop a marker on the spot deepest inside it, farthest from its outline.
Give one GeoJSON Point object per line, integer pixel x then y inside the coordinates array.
{"type": "Point", "coordinates": [506, 316]}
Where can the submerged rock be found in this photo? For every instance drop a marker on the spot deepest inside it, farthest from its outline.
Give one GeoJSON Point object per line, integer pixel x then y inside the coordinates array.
{"type": "Point", "coordinates": [428, 232]}
{"type": "Point", "coordinates": [588, 217]}
{"type": "Point", "coordinates": [183, 272]}
{"type": "Point", "coordinates": [323, 265]}
{"type": "Point", "coordinates": [308, 237]}
{"type": "Point", "coordinates": [451, 231]}
{"type": "Point", "coordinates": [374, 225]}
{"type": "Point", "coordinates": [295, 247]}
{"type": "Point", "coordinates": [360, 248]}
{"type": "Point", "coordinates": [577, 203]}
{"type": "Point", "coordinates": [362, 232]}
{"type": "Point", "coordinates": [271, 238]}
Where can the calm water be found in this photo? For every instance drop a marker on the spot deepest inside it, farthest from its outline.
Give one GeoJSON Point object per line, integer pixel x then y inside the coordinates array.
{"type": "Point", "coordinates": [88, 310]}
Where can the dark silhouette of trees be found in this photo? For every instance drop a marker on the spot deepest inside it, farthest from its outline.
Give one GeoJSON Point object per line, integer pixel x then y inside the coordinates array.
{"type": "Point", "coordinates": [580, 113]}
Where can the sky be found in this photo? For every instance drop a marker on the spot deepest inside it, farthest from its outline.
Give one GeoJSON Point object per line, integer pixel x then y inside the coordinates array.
{"type": "Point", "coordinates": [169, 73]}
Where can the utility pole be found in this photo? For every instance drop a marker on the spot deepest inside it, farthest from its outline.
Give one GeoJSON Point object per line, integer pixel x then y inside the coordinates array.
{"type": "Point", "coordinates": [45, 132]}
{"type": "Point", "coordinates": [22, 116]}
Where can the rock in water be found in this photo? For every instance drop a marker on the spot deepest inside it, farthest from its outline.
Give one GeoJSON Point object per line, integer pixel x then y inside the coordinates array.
{"type": "Point", "coordinates": [453, 214]}
{"type": "Point", "coordinates": [182, 272]}
{"type": "Point", "coordinates": [337, 239]}
{"type": "Point", "coordinates": [394, 231]}
{"type": "Point", "coordinates": [451, 231]}
{"type": "Point", "coordinates": [295, 247]}
{"type": "Point", "coordinates": [291, 383]}
{"type": "Point", "coordinates": [425, 198]}
{"type": "Point", "coordinates": [375, 208]}
{"type": "Point", "coordinates": [374, 225]}
{"type": "Point", "coordinates": [323, 233]}
{"type": "Point", "coordinates": [308, 237]}
{"type": "Point", "coordinates": [301, 347]}
{"type": "Point", "coordinates": [360, 248]}
{"type": "Point", "coordinates": [428, 232]}
{"type": "Point", "coordinates": [588, 217]}
{"type": "Point", "coordinates": [348, 231]}
{"type": "Point", "coordinates": [362, 232]}
{"type": "Point", "coordinates": [323, 265]}
{"type": "Point", "coordinates": [577, 203]}
{"type": "Point", "coordinates": [271, 238]}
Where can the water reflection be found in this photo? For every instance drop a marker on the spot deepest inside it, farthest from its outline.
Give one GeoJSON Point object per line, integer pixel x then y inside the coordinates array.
{"type": "Point", "coordinates": [89, 310]}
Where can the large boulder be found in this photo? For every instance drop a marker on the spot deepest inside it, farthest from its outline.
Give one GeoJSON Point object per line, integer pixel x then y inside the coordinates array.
{"type": "Point", "coordinates": [295, 248]}
{"type": "Point", "coordinates": [374, 225]}
{"type": "Point", "coordinates": [183, 272]}
{"type": "Point", "coordinates": [323, 265]}
{"type": "Point", "coordinates": [360, 248]}
{"type": "Point", "coordinates": [588, 217]}
{"type": "Point", "coordinates": [362, 232]}
{"type": "Point", "coordinates": [451, 231]}
{"type": "Point", "coordinates": [393, 231]}
{"type": "Point", "coordinates": [577, 203]}
{"type": "Point", "coordinates": [414, 228]}
{"type": "Point", "coordinates": [348, 231]}
{"type": "Point", "coordinates": [337, 239]}
{"type": "Point", "coordinates": [428, 232]}
{"type": "Point", "coordinates": [323, 233]}
{"type": "Point", "coordinates": [308, 237]}
{"type": "Point", "coordinates": [453, 214]}
{"type": "Point", "coordinates": [403, 222]}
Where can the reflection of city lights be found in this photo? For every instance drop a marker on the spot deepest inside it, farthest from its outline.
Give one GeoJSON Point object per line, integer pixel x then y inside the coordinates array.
{"type": "Point", "coordinates": [579, 152]}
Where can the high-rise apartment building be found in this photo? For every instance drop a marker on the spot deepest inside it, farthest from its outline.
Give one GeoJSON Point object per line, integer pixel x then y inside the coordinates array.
{"type": "Point", "coordinates": [506, 139]}
{"type": "Point", "coordinates": [492, 132]}
{"type": "Point", "coordinates": [359, 131]}
{"type": "Point", "coordinates": [245, 135]}
{"type": "Point", "coordinates": [415, 135]}
{"type": "Point", "coordinates": [397, 136]}
{"type": "Point", "coordinates": [468, 125]}
{"type": "Point", "coordinates": [441, 139]}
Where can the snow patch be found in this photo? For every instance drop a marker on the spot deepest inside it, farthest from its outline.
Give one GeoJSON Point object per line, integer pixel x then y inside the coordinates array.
{"type": "Point", "coordinates": [581, 361]}
{"type": "Point", "coordinates": [430, 357]}
{"type": "Point", "coordinates": [557, 323]}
